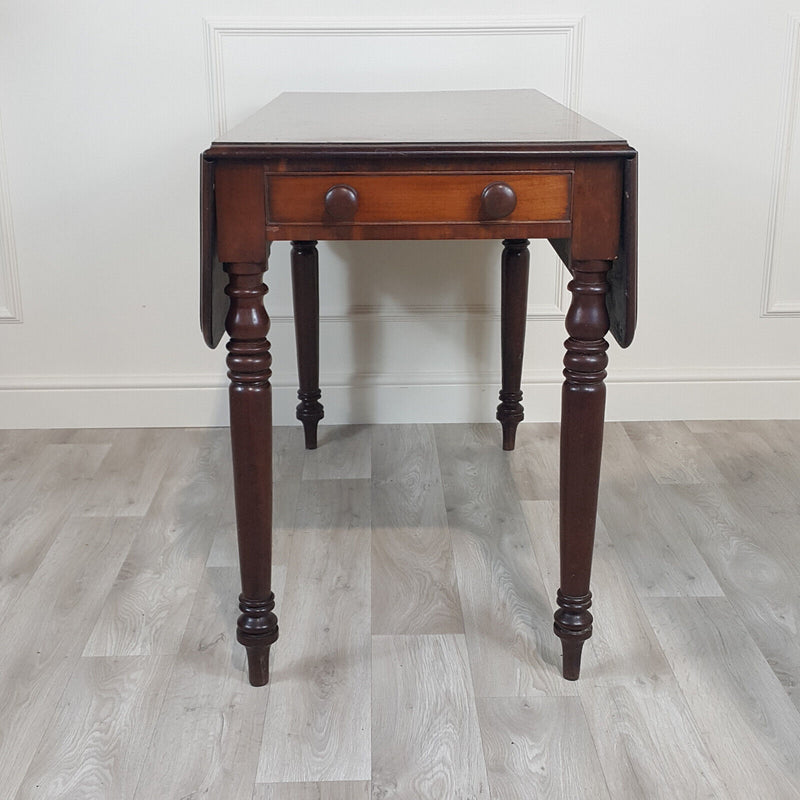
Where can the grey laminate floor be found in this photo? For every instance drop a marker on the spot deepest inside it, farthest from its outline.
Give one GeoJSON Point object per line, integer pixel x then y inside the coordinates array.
{"type": "Point", "coordinates": [415, 569]}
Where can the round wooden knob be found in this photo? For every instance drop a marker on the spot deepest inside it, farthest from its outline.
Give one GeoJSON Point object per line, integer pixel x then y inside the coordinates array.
{"type": "Point", "coordinates": [498, 200]}
{"type": "Point", "coordinates": [341, 202]}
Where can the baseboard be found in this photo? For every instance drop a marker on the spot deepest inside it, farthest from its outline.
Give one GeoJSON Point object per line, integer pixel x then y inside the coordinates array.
{"type": "Point", "coordinates": [201, 400]}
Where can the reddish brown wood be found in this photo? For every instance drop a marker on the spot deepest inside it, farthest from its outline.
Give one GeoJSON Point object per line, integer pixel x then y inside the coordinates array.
{"type": "Point", "coordinates": [582, 412]}
{"type": "Point", "coordinates": [213, 300]}
{"type": "Point", "coordinates": [250, 396]}
{"type": "Point", "coordinates": [397, 231]}
{"type": "Point", "coordinates": [621, 299]}
{"type": "Point", "coordinates": [398, 197]}
{"type": "Point", "coordinates": [341, 202]}
{"type": "Point", "coordinates": [241, 206]}
{"type": "Point", "coordinates": [305, 290]}
{"type": "Point", "coordinates": [513, 316]}
{"type": "Point", "coordinates": [450, 173]}
{"type": "Point", "coordinates": [597, 209]}
{"type": "Point", "coordinates": [498, 200]}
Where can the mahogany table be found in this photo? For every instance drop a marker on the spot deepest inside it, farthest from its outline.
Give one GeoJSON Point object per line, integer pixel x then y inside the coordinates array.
{"type": "Point", "coordinates": [510, 165]}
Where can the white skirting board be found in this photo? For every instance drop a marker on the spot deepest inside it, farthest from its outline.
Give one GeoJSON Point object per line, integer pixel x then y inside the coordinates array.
{"type": "Point", "coordinates": [201, 401]}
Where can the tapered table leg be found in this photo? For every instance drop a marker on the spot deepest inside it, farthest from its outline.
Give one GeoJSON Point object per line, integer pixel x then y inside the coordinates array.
{"type": "Point", "coordinates": [305, 290]}
{"type": "Point", "coordinates": [513, 315]}
{"type": "Point", "coordinates": [250, 394]}
{"type": "Point", "coordinates": [582, 413]}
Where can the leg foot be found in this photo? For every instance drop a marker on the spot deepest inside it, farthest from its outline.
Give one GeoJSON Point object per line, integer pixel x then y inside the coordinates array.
{"type": "Point", "coordinates": [513, 314]}
{"type": "Point", "coordinates": [571, 659]}
{"type": "Point", "coordinates": [309, 411]}
{"type": "Point", "coordinates": [573, 625]}
{"type": "Point", "coordinates": [510, 413]}
{"type": "Point", "coordinates": [258, 665]}
{"type": "Point", "coordinates": [257, 630]}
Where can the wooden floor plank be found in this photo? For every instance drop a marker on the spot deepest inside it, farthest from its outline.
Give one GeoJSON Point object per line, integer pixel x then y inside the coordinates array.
{"type": "Point", "coordinates": [39, 649]}
{"type": "Point", "coordinates": [761, 584]}
{"type": "Point", "coordinates": [539, 747]}
{"type": "Point", "coordinates": [318, 723]}
{"type": "Point", "coordinates": [648, 743]}
{"type": "Point", "coordinates": [148, 606]}
{"type": "Point", "coordinates": [132, 472]}
{"type": "Point", "coordinates": [659, 557]}
{"type": "Point", "coordinates": [623, 646]}
{"type": "Point", "coordinates": [507, 614]}
{"type": "Point", "coordinates": [343, 451]}
{"type": "Point", "coordinates": [763, 487]}
{"type": "Point", "coordinates": [672, 453]}
{"type": "Point", "coordinates": [328, 790]}
{"type": "Point", "coordinates": [54, 485]}
{"type": "Point", "coordinates": [288, 452]}
{"type": "Point", "coordinates": [19, 459]}
{"type": "Point", "coordinates": [94, 747]}
{"type": "Point", "coordinates": [746, 720]}
{"type": "Point", "coordinates": [207, 736]}
{"type": "Point", "coordinates": [534, 461]}
{"type": "Point", "coordinates": [679, 693]}
{"type": "Point", "coordinates": [414, 588]}
{"type": "Point", "coordinates": [426, 739]}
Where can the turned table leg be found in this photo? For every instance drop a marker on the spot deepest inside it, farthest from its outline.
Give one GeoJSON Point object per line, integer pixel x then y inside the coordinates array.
{"type": "Point", "coordinates": [582, 413]}
{"type": "Point", "coordinates": [513, 316]}
{"type": "Point", "coordinates": [250, 393]}
{"type": "Point", "coordinates": [305, 290]}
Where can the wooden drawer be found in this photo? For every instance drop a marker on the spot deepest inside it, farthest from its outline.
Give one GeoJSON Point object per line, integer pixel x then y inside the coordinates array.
{"type": "Point", "coordinates": [417, 198]}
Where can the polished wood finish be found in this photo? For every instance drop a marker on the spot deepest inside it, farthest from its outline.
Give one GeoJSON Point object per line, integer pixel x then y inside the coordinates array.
{"type": "Point", "coordinates": [509, 165]}
{"type": "Point", "coordinates": [305, 293]}
{"type": "Point", "coordinates": [513, 316]}
{"type": "Point", "coordinates": [213, 300]}
{"type": "Point", "coordinates": [583, 405]}
{"type": "Point", "coordinates": [621, 298]}
{"type": "Point", "coordinates": [250, 397]}
{"type": "Point", "coordinates": [397, 121]}
{"type": "Point", "coordinates": [417, 198]}
{"type": "Point", "coordinates": [498, 200]}
{"type": "Point", "coordinates": [341, 202]}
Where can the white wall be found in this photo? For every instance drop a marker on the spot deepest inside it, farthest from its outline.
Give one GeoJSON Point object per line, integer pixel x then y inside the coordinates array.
{"type": "Point", "coordinates": [105, 107]}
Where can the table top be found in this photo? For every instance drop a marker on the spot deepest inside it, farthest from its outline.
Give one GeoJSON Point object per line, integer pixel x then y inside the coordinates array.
{"type": "Point", "coordinates": [386, 138]}
{"type": "Point", "coordinates": [492, 117]}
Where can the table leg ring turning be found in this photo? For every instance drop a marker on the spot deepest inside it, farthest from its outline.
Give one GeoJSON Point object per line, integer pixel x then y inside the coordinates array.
{"type": "Point", "coordinates": [257, 629]}
{"type": "Point", "coordinates": [573, 625]}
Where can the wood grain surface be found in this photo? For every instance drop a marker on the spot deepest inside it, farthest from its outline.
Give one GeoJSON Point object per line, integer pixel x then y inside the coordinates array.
{"type": "Point", "coordinates": [319, 712]}
{"type": "Point", "coordinates": [506, 606]}
{"type": "Point", "coordinates": [746, 719]}
{"type": "Point", "coordinates": [414, 588]}
{"type": "Point", "coordinates": [648, 741]}
{"type": "Point", "coordinates": [415, 575]}
{"type": "Point", "coordinates": [522, 757]}
{"type": "Point", "coordinates": [425, 732]}
{"type": "Point", "coordinates": [95, 746]}
{"type": "Point", "coordinates": [209, 715]}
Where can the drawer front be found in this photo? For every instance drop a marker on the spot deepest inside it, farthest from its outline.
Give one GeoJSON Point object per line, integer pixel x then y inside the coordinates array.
{"type": "Point", "coordinates": [418, 198]}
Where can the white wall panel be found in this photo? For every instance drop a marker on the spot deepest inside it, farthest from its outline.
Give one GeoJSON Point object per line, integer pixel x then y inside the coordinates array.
{"type": "Point", "coordinates": [782, 265]}
{"type": "Point", "coordinates": [106, 107]}
{"type": "Point", "coordinates": [10, 301]}
{"type": "Point", "coordinates": [252, 60]}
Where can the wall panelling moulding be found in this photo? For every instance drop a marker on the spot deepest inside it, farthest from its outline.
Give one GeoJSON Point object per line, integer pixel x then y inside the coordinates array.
{"type": "Point", "coordinates": [781, 285]}
{"type": "Point", "coordinates": [245, 69]}
{"type": "Point", "coordinates": [10, 299]}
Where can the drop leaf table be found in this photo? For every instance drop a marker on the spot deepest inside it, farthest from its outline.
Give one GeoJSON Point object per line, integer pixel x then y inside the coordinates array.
{"type": "Point", "coordinates": [509, 165]}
